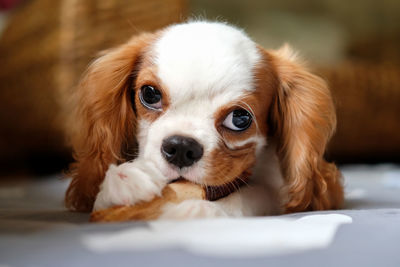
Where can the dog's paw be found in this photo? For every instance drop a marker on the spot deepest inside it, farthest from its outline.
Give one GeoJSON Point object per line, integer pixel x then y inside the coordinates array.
{"type": "Point", "coordinates": [129, 183]}
{"type": "Point", "coordinates": [192, 209]}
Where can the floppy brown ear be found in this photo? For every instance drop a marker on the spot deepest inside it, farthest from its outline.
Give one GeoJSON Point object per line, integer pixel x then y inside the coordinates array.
{"type": "Point", "coordinates": [303, 120]}
{"type": "Point", "coordinates": [103, 121]}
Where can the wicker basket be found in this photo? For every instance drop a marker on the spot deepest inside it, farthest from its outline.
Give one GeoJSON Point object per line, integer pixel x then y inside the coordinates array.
{"type": "Point", "coordinates": [368, 108]}
{"type": "Point", "coordinates": [43, 52]}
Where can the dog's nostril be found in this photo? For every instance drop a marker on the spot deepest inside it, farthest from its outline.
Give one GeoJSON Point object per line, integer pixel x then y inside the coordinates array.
{"type": "Point", "coordinates": [170, 150]}
{"type": "Point", "coordinates": [181, 151]}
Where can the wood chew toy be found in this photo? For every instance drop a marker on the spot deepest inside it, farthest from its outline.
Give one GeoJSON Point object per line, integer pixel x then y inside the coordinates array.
{"type": "Point", "coordinates": [174, 192]}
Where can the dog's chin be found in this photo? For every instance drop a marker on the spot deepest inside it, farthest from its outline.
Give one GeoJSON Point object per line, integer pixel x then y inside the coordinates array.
{"type": "Point", "coordinates": [170, 173]}
{"type": "Point", "coordinates": [180, 178]}
{"type": "Point", "coordinates": [191, 174]}
{"type": "Point", "coordinates": [187, 178]}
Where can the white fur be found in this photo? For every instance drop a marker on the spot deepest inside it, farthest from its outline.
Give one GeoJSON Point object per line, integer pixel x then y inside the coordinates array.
{"type": "Point", "coordinates": [130, 183]}
{"type": "Point", "coordinates": [203, 66]}
{"type": "Point", "coordinates": [193, 209]}
{"type": "Point", "coordinates": [201, 60]}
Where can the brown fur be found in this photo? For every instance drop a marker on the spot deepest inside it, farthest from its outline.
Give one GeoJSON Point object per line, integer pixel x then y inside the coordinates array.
{"type": "Point", "coordinates": [303, 119]}
{"type": "Point", "coordinates": [225, 163]}
{"type": "Point", "coordinates": [147, 76]}
{"type": "Point", "coordinates": [104, 119]}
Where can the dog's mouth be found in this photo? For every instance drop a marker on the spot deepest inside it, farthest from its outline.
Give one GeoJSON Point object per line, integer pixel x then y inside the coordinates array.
{"type": "Point", "coordinates": [215, 192]}
{"type": "Point", "coordinates": [177, 179]}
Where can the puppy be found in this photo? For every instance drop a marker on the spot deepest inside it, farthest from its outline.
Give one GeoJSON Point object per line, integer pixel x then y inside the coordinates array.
{"type": "Point", "coordinates": [202, 101]}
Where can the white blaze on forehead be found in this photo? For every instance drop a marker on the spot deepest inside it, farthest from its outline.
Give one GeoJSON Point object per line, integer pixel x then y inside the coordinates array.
{"type": "Point", "coordinates": [199, 60]}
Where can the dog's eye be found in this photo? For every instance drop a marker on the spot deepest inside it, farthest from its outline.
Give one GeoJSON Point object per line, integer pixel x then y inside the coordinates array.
{"type": "Point", "coordinates": [150, 97]}
{"type": "Point", "coordinates": [238, 120]}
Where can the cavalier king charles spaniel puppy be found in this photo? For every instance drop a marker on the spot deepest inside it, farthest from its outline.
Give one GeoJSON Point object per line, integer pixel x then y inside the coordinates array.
{"type": "Point", "coordinates": [203, 102]}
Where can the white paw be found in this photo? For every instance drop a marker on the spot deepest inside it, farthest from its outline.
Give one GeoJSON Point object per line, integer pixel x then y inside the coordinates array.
{"type": "Point", "coordinates": [192, 209]}
{"type": "Point", "coordinates": [129, 183]}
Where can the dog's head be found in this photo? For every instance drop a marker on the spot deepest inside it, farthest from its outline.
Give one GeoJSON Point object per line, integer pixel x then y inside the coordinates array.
{"type": "Point", "coordinates": [201, 100]}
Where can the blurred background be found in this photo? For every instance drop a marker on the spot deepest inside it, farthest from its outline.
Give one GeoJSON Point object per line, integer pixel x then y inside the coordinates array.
{"type": "Point", "coordinates": [45, 45]}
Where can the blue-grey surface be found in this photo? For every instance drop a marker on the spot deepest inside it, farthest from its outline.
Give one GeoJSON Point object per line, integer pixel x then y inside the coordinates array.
{"type": "Point", "coordinates": [35, 230]}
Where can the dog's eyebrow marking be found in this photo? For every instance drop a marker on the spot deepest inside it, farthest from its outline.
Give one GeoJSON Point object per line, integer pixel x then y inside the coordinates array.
{"type": "Point", "coordinates": [243, 143]}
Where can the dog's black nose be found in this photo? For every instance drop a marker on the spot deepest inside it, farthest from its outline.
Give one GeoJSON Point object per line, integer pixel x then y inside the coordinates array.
{"type": "Point", "coordinates": [181, 151]}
